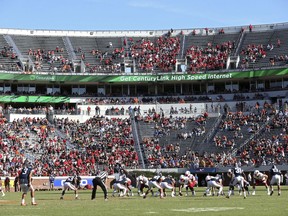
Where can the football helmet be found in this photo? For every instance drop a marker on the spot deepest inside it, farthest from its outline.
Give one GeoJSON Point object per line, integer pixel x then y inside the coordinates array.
{"type": "Point", "coordinates": [256, 172]}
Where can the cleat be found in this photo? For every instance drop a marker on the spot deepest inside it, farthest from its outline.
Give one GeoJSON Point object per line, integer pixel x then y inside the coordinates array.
{"type": "Point", "coordinates": [3, 195]}
{"type": "Point", "coordinates": [227, 197]}
{"type": "Point", "coordinates": [271, 193]}
{"type": "Point", "coordinates": [23, 204]}
{"type": "Point", "coordinates": [106, 199]}
{"type": "Point", "coordinates": [144, 196]}
{"type": "Point", "coordinates": [34, 203]}
{"type": "Point", "coordinates": [61, 198]}
{"type": "Point", "coordinates": [77, 198]}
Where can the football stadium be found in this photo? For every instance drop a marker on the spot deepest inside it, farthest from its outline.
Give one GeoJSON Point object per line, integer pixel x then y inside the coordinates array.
{"type": "Point", "coordinates": [171, 122]}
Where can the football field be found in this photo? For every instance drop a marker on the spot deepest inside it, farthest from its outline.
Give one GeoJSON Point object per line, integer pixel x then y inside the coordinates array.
{"type": "Point", "coordinates": [49, 203]}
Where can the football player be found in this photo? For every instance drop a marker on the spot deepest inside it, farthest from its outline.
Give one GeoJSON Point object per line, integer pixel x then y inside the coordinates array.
{"type": "Point", "coordinates": [70, 183]}
{"type": "Point", "coordinates": [142, 182]}
{"type": "Point", "coordinates": [25, 180]}
{"type": "Point", "coordinates": [236, 178]}
{"type": "Point", "coordinates": [275, 174]}
{"type": "Point", "coordinates": [260, 178]}
{"type": "Point", "coordinates": [155, 182]}
{"type": "Point", "coordinates": [168, 183]}
{"type": "Point", "coordinates": [212, 183]}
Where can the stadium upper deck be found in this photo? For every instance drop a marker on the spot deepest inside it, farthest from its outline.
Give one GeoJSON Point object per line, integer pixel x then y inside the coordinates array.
{"type": "Point", "coordinates": [181, 50]}
{"type": "Point", "coordinates": [116, 63]}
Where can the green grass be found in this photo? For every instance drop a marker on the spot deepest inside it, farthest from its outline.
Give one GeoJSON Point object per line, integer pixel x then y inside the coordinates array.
{"type": "Point", "coordinates": [50, 204]}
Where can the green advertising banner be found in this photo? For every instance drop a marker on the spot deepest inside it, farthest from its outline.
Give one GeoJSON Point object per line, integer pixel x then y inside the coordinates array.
{"type": "Point", "coordinates": [142, 78]}
{"type": "Point", "coordinates": [33, 99]}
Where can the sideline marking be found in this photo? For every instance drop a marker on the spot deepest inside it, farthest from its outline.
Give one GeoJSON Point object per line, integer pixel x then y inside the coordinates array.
{"type": "Point", "coordinates": [214, 209]}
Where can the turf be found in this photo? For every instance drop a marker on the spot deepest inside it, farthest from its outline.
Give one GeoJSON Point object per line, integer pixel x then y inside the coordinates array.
{"type": "Point", "coordinates": [49, 204]}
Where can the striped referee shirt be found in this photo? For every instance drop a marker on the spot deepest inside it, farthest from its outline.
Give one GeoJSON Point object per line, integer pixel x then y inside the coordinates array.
{"type": "Point", "coordinates": [103, 176]}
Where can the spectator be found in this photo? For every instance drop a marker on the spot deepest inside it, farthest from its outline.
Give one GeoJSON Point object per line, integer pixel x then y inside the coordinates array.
{"type": "Point", "coordinates": [7, 184]}
{"type": "Point", "coordinates": [250, 28]}
{"type": "Point", "coordinates": [278, 42]}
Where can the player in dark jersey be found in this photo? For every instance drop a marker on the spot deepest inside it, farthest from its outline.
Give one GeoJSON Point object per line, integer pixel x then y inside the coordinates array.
{"type": "Point", "coordinates": [25, 180]}
{"type": "Point", "coordinates": [275, 174]}
{"type": "Point", "coordinates": [70, 183]}
{"type": "Point", "coordinates": [100, 180]}
{"type": "Point", "coordinates": [236, 179]}
{"type": "Point", "coordinates": [155, 182]}
{"type": "Point", "coordinates": [168, 183]}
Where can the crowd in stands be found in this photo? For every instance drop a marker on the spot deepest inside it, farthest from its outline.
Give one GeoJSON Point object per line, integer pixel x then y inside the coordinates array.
{"type": "Point", "coordinates": [278, 59]}
{"type": "Point", "coordinates": [8, 53]}
{"type": "Point", "coordinates": [234, 128]}
{"type": "Point", "coordinates": [158, 55]}
{"type": "Point", "coordinates": [252, 53]}
{"type": "Point", "coordinates": [106, 61]}
{"type": "Point", "coordinates": [83, 147]}
{"type": "Point", "coordinates": [54, 58]}
{"type": "Point", "coordinates": [64, 110]}
{"type": "Point", "coordinates": [149, 55]}
{"type": "Point", "coordinates": [211, 57]}
{"type": "Point", "coordinates": [272, 148]}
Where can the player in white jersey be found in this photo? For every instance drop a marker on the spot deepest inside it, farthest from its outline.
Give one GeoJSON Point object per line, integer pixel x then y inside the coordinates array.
{"type": "Point", "coordinates": [187, 181]}
{"type": "Point", "coordinates": [212, 183]}
{"type": "Point", "coordinates": [260, 178]}
{"type": "Point", "coordinates": [142, 182]}
{"type": "Point", "coordinates": [275, 174]}
{"type": "Point", "coordinates": [119, 188]}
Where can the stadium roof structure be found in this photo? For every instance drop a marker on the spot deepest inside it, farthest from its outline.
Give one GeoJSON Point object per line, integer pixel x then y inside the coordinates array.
{"type": "Point", "coordinates": [143, 33]}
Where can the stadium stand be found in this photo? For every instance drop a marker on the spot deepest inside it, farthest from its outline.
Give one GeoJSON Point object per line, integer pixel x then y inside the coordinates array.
{"type": "Point", "coordinates": [165, 117]}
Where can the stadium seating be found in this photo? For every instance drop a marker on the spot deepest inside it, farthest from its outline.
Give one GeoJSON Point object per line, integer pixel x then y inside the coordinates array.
{"type": "Point", "coordinates": [8, 58]}
{"type": "Point", "coordinates": [109, 54]}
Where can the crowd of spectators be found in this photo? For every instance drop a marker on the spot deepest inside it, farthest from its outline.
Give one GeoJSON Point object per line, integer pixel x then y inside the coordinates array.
{"type": "Point", "coordinates": [157, 55]}
{"type": "Point", "coordinates": [68, 146]}
{"type": "Point", "coordinates": [252, 53]}
{"type": "Point", "coordinates": [272, 147]}
{"type": "Point", "coordinates": [64, 110]}
{"type": "Point", "coordinates": [82, 148]}
{"type": "Point", "coordinates": [10, 59]}
{"type": "Point", "coordinates": [54, 58]}
{"type": "Point", "coordinates": [153, 54]}
{"type": "Point", "coordinates": [211, 57]}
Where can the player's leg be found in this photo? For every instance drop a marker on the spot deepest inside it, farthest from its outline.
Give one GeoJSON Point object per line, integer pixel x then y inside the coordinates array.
{"type": "Point", "coordinates": [93, 196]}
{"type": "Point", "coordinates": [32, 193]}
{"type": "Point", "coordinates": [104, 189]}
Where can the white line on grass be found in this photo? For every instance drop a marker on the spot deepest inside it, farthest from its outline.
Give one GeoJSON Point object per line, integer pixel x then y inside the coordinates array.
{"type": "Point", "coordinates": [213, 209]}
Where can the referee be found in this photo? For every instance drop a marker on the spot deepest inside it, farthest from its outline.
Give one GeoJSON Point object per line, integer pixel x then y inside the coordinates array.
{"type": "Point", "coordinates": [100, 180]}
